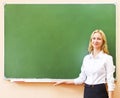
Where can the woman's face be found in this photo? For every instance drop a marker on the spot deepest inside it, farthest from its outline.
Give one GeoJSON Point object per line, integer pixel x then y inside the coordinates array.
{"type": "Point", "coordinates": [97, 41]}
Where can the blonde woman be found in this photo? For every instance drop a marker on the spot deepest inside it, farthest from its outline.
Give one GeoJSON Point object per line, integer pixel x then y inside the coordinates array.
{"type": "Point", "coordinates": [97, 69]}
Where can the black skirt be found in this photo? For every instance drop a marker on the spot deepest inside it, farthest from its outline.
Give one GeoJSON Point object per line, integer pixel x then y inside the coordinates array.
{"type": "Point", "coordinates": [95, 91]}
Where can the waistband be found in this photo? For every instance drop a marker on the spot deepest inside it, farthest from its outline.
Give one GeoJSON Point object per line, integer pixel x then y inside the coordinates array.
{"type": "Point", "coordinates": [95, 85]}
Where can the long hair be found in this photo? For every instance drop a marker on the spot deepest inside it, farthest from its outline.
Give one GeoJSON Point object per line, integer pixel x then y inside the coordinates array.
{"type": "Point", "coordinates": [104, 47]}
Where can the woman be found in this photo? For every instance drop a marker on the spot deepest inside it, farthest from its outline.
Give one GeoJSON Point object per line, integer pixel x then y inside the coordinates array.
{"type": "Point", "coordinates": [97, 69]}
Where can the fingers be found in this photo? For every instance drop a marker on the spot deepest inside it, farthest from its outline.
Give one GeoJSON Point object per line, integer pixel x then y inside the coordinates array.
{"type": "Point", "coordinates": [58, 83]}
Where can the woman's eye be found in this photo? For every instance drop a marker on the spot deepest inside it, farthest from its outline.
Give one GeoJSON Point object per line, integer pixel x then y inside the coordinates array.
{"type": "Point", "coordinates": [93, 38]}
{"type": "Point", "coordinates": [96, 38]}
{"type": "Point", "coordinates": [99, 38]}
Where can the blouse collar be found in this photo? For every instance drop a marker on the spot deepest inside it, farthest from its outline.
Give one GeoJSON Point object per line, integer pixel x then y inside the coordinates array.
{"type": "Point", "coordinates": [99, 55]}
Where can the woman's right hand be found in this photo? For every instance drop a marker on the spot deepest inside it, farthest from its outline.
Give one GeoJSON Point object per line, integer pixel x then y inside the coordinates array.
{"type": "Point", "coordinates": [59, 82]}
{"type": "Point", "coordinates": [64, 82]}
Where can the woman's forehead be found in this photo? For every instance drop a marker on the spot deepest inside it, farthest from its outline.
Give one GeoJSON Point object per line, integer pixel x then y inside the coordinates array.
{"type": "Point", "coordinates": [97, 35]}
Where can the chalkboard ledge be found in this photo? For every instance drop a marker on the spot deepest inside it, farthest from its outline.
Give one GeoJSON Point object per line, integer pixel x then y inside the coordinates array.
{"type": "Point", "coordinates": [35, 80]}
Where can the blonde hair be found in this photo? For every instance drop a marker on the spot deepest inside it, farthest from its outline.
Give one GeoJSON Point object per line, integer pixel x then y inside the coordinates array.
{"type": "Point", "coordinates": [104, 45]}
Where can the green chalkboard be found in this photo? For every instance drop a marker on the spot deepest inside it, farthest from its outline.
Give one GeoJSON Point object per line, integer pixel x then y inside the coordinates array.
{"type": "Point", "coordinates": [50, 40]}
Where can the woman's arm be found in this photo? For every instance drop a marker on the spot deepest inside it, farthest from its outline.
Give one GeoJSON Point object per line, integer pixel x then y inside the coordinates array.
{"type": "Point", "coordinates": [110, 94]}
{"type": "Point", "coordinates": [64, 82]}
{"type": "Point", "coordinates": [110, 68]}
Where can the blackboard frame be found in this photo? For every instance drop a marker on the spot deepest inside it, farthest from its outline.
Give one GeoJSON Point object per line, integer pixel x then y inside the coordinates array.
{"type": "Point", "coordinates": [84, 54]}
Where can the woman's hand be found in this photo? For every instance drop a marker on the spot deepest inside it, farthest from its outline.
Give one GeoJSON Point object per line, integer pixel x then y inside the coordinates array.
{"type": "Point", "coordinates": [64, 82]}
{"type": "Point", "coordinates": [59, 82]}
{"type": "Point", "coordinates": [110, 94]}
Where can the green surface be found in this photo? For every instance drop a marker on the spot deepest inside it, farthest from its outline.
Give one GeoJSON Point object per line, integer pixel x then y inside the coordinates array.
{"type": "Point", "coordinates": [50, 40]}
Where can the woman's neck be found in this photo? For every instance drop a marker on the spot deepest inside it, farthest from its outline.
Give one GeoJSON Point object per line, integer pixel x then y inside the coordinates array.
{"type": "Point", "coordinates": [96, 52]}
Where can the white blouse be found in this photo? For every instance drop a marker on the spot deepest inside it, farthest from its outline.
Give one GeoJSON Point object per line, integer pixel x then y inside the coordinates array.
{"type": "Point", "coordinates": [97, 70]}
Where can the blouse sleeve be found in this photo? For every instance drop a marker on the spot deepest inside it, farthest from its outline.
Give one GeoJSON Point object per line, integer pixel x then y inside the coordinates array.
{"type": "Point", "coordinates": [82, 76]}
{"type": "Point", "coordinates": [110, 69]}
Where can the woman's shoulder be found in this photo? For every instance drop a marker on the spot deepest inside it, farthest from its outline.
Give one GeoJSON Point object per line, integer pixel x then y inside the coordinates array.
{"type": "Point", "coordinates": [107, 56]}
{"type": "Point", "coordinates": [87, 56]}
{"type": "Point", "coordinates": [102, 55]}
